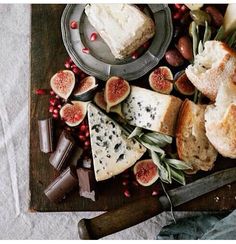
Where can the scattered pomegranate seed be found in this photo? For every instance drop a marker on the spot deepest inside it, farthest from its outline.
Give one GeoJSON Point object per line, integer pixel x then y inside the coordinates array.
{"type": "Point", "coordinates": [40, 92]}
{"type": "Point", "coordinates": [51, 108]}
{"type": "Point", "coordinates": [82, 76]}
{"type": "Point", "coordinates": [155, 193]}
{"type": "Point", "coordinates": [76, 70]}
{"type": "Point", "coordinates": [55, 111]}
{"type": "Point", "coordinates": [73, 66]}
{"type": "Point", "coordinates": [70, 61]}
{"type": "Point", "coordinates": [85, 50]}
{"type": "Point", "coordinates": [87, 143]}
{"type": "Point", "coordinates": [83, 128]}
{"type": "Point", "coordinates": [183, 8]}
{"type": "Point", "coordinates": [134, 55]}
{"type": "Point", "coordinates": [177, 16]}
{"type": "Point", "coordinates": [73, 25]}
{"type": "Point", "coordinates": [127, 193]}
{"type": "Point", "coordinates": [57, 97]}
{"type": "Point", "coordinates": [82, 138]}
{"type": "Point", "coordinates": [178, 6]}
{"type": "Point", "coordinates": [87, 134]}
{"type": "Point", "coordinates": [125, 182]}
{"type": "Point", "coordinates": [135, 183]}
{"type": "Point", "coordinates": [93, 36]}
{"type": "Point", "coordinates": [53, 101]}
{"type": "Point", "coordinates": [67, 65]}
{"type": "Point", "coordinates": [52, 93]}
{"type": "Point", "coordinates": [59, 106]}
{"type": "Point", "coordinates": [86, 148]}
{"type": "Point", "coordinates": [55, 116]}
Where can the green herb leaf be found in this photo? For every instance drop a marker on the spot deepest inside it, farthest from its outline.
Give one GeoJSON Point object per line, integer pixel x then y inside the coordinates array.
{"type": "Point", "coordinates": [153, 147]}
{"type": "Point", "coordinates": [200, 47]}
{"type": "Point", "coordinates": [220, 34]}
{"type": "Point", "coordinates": [207, 33]}
{"type": "Point", "coordinates": [169, 172]}
{"type": "Point", "coordinates": [178, 176]}
{"type": "Point", "coordinates": [136, 132]}
{"type": "Point", "coordinates": [178, 164]}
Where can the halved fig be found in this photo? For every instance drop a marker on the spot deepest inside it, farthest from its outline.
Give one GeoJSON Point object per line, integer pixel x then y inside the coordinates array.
{"type": "Point", "coordinates": [116, 91]}
{"type": "Point", "coordinates": [183, 85]}
{"type": "Point", "coordinates": [62, 83]}
{"type": "Point", "coordinates": [160, 80]}
{"type": "Point", "coordinates": [85, 89]}
{"type": "Point", "coordinates": [74, 113]}
{"type": "Point", "coordinates": [146, 172]}
{"type": "Point", "coordinates": [101, 103]}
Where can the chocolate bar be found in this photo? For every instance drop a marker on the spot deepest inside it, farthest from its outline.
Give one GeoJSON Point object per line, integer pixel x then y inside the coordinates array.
{"type": "Point", "coordinates": [65, 146]}
{"type": "Point", "coordinates": [45, 135]}
{"type": "Point", "coordinates": [61, 186]}
{"type": "Point", "coordinates": [75, 156]}
{"type": "Point", "coordinates": [86, 183]}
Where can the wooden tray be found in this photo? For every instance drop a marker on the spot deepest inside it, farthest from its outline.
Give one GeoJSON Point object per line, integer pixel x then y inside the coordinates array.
{"type": "Point", "coordinates": [47, 57]}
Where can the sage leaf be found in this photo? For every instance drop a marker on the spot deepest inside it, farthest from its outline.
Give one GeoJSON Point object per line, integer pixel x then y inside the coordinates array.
{"type": "Point", "coordinates": [169, 172]}
{"type": "Point", "coordinates": [178, 176]}
{"type": "Point", "coordinates": [153, 147]}
{"type": "Point", "coordinates": [136, 132]}
{"type": "Point", "coordinates": [200, 47]}
{"type": "Point", "coordinates": [220, 34]}
{"type": "Point", "coordinates": [178, 164]}
{"type": "Point", "coordinates": [207, 33]}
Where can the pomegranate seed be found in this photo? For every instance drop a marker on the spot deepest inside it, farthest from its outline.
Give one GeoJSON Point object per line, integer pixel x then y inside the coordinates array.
{"type": "Point", "coordinates": [87, 143]}
{"type": "Point", "coordinates": [76, 70]}
{"type": "Point", "coordinates": [86, 148]}
{"type": "Point", "coordinates": [55, 116]}
{"type": "Point", "coordinates": [135, 183]}
{"type": "Point", "coordinates": [73, 66]}
{"type": "Point", "coordinates": [52, 93]}
{"type": "Point", "coordinates": [146, 45]}
{"type": "Point", "coordinates": [127, 193]}
{"type": "Point", "coordinates": [125, 182]}
{"type": "Point", "coordinates": [83, 128]}
{"type": "Point", "coordinates": [183, 8]}
{"type": "Point", "coordinates": [82, 138]}
{"type": "Point", "coordinates": [67, 65]}
{"type": "Point", "coordinates": [57, 97]}
{"type": "Point", "coordinates": [53, 101]}
{"type": "Point", "coordinates": [93, 37]}
{"type": "Point", "coordinates": [73, 25]}
{"type": "Point", "coordinates": [51, 108]}
{"type": "Point", "coordinates": [82, 76]}
{"type": "Point", "coordinates": [178, 6]}
{"type": "Point", "coordinates": [70, 61]}
{"type": "Point", "coordinates": [55, 111]}
{"type": "Point", "coordinates": [85, 50]}
{"type": "Point", "coordinates": [177, 16]}
{"type": "Point", "coordinates": [134, 55]}
{"type": "Point", "coordinates": [87, 134]}
{"type": "Point", "coordinates": [40, 92]}
{"type": "Point", "coordinates": [155, 193]}
{"type": "Point", "coordinates": [59, 106]}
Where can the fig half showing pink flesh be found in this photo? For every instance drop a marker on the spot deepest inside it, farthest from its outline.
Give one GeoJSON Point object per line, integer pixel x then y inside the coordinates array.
{"type": "Point", "coordinates": [85, 90]}
{"type": "Point", "coordinates": [116, 90]}
{"type": "Point", "coordinates": [160, 80]}
{"type": "Point", "coordinates": [62, 83]}
{"type": "Point", "coordinates": [74, 113]}
{"type": "Point", "coordinates": [183, 85]}
{"type": "Point", "coordinates": [146, 172]}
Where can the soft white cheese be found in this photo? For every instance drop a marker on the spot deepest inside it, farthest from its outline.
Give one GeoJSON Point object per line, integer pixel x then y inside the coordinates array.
{"type": "Point", "coordinates": [112, 151]}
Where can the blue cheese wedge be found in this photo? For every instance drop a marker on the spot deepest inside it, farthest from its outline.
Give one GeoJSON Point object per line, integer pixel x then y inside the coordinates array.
{"type": "Point", "coordinates": [112, 151]}
{"type": "Point", "coordinates": [151, 110]}
{"type": "Point", "coordinates": [122, 26]}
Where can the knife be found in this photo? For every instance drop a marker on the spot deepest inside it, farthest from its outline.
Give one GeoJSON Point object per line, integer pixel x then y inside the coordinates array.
{"type": "Point", "coordinates": [145, 208]}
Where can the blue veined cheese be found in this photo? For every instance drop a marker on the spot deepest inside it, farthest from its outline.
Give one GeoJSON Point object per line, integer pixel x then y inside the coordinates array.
{"type": "Point", "coordinates": [112, 151]}
{"type": "Point", "coordinates": [151, 110]}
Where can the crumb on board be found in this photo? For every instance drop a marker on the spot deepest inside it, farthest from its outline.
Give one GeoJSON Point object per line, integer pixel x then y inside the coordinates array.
{"type": "Point", "coordinates": [229, 186]}
{"type": "Point", "coordinates": [217, 199]}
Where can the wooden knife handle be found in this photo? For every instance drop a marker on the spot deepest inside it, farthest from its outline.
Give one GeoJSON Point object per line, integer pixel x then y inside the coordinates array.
{"type": "Point", "coordinates": [121, 218]}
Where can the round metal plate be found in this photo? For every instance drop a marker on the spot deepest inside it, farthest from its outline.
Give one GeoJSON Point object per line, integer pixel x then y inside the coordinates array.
{"type": "Point", "coordinates": [100, 62]}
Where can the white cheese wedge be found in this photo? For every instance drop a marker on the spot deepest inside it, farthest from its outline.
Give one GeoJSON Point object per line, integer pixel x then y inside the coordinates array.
{"type": "Point", "coordinates": [112, 151]}
{"type": "Point", "coordinates": [123, 27]}
{"type": "Point", "coordinates": [151, 110]}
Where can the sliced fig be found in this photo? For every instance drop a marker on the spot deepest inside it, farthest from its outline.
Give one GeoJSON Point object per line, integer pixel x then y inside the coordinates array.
{"type": "Point", "coordinates": [146, 172]}
{"type": "Point", "coordinates": [183, 85]}
{"type": "Point", "coordinates": [85, 89]}
{"type": "Point", "coordinates": [101, 103]}
{"type": "Point", "coordinates": [73, 113]}
{"type": "Point", "coordinates": [160, 80]}
{"type": "Point", "coordinates": [116, 91]}
{"type": "Point", "coordinates": [62, 83]}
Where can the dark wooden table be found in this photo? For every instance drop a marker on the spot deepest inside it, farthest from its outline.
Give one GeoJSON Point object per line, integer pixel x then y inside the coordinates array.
{"type": "Point", "coordinates": [47, 57]}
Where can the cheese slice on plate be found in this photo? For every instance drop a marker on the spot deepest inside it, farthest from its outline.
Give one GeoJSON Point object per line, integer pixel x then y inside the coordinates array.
{"type": "Point", "coordinates": [112, 151]}
{"type": "Point", "coordinates": [151, 110]}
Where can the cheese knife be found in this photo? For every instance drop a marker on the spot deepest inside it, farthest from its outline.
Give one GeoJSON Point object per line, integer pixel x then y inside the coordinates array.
{"type": "Point", "coordinates": [143, 209]}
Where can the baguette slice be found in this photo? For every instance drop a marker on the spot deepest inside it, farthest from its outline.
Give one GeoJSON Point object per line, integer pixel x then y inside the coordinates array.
{"type": "Point", "coordinates": [151, 110]}
{"type": "Point", "coordinates": [123, 27]}
{"type": "Point", "coordinates": [211, 67]}
{"type": "Point", "coordinates": [221, 119]}
{"type": "Point", "coordinates": [192, 144]}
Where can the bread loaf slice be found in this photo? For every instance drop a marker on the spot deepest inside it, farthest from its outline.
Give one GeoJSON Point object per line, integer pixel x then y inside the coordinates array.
{"type": "Point", "coordinates": [211, 67]}
{"type": "Point", "coordinates": [151, 110]}
{"type": "Point", "coordinates": [192, 144]}
{"type": "Point", "coordinates": [221, 119]}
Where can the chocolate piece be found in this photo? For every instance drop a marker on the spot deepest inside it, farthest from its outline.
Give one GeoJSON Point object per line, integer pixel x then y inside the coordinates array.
{"type": "Point", "coordinates": [45, 135]}
{"type": "Point", "coordinates": [87, 183]}
{"type": "Point", "coordinates": [61, 186]}
{"type": "Point", "coordinates": [65, 146]}
{"type": "Point", "coordinates": [75, 156]}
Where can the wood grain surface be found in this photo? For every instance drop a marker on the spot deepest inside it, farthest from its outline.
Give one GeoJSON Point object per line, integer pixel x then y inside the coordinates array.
{"type": "Point", "coordinates": [47, 57]}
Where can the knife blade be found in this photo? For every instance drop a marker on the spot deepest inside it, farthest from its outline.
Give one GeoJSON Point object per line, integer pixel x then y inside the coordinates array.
{"type": "Point", "coordinates": [145, 208]}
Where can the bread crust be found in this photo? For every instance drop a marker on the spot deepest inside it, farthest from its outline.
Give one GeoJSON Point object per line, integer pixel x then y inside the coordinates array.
{"type": "Point", "coordinates": [194, 148]}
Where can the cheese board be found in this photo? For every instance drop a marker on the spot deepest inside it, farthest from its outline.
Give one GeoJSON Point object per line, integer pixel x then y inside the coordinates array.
{"type": "Point", "coordinates": [47, 57]}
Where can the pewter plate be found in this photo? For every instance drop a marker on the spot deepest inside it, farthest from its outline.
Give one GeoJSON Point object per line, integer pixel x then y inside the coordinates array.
{"type": "Point", "coordinates": [100, 62]}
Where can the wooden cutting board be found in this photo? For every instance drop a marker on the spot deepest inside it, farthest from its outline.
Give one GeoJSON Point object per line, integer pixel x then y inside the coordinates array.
{"type": "Point", "coordinates": [47, 57]}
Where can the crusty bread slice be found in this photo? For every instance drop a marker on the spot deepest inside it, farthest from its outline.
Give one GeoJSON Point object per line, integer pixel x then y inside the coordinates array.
{"type": "Point", "coordinates": [211, 67]}
{"type": "Point", "coordinates": [192, 144]}
{"type": "Point", "coordinates": [221, 119]}
{"type": "Point", "coordinates": [151, 110]}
